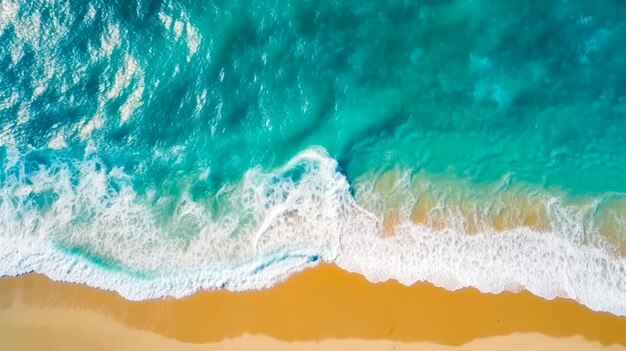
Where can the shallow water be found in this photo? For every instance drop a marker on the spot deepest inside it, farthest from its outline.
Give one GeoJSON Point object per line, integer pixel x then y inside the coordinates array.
{"type": "Point", "coordinates": [161, 147]}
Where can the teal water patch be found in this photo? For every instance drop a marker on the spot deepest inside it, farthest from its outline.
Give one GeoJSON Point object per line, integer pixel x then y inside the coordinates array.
{"type": "Point", "coordinates": [278, 259]}
{"type": "Point", "coordinates": [101, 261]}
{"type": "Point", "coordinates": [189, 96]}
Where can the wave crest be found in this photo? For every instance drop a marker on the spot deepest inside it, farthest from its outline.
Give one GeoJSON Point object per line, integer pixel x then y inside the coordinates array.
{"type": "Point", "coordinates": [83, 223]}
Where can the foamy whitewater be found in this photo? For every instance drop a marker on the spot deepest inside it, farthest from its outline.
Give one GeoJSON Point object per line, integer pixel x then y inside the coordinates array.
{"type": "Point", "coordinates": [159, 148]}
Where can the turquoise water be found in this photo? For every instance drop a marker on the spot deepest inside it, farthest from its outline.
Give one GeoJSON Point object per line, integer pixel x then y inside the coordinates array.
{"type": "Point", "coordinates": [227, 144]}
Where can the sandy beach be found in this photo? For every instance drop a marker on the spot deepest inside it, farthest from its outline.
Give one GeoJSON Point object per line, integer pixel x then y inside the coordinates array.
{"type": "Point", "coordinates": [319, 308]}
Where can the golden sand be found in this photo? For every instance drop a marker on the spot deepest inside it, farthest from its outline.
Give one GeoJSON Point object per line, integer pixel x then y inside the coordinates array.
{"type": "Point", "coordinates": [318, 305]}
{"type": "Point", "coordinates": [29, 328]}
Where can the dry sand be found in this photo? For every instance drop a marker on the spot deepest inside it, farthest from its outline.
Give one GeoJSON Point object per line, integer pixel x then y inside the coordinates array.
{"type": "Point", "coordinates": [320, 308]}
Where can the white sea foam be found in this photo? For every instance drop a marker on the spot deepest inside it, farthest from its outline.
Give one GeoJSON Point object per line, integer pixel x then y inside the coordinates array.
{"type": "Point", "coordinates": [133, 102]}
{"type": "Point", "coordinates": [193, 39]}
{"type": "Point", "coordinates": [178, 29]}
{"type": "Point", "coordinates": [277, 223]}
{"type": "Point", "coordinates": [123, 77]}
{"type": "Point", "coordinates": [195, 250]}
{"type": "Point", "coordinates": [109, 42]}
{"type": "Point", "coordinates": [166, 20]}
{"type": "Point", "coordinates": [8, 12]}
{"type": "Point", "coordinates": [9, 101]}
{"type": "Point", "coordinates": [178, 24]}
{"type": "Point", "coordinates": [58, 141]}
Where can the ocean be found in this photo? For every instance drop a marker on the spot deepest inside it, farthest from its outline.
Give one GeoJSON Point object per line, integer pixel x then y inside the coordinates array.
{"type": "Point", "coordinates": [161, 147]}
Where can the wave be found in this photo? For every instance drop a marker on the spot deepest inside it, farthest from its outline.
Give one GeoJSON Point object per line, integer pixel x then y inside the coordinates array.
{"type": "Point", "coordinates": [84, 223]}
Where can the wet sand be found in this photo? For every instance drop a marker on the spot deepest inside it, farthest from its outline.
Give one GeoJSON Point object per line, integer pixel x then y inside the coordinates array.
{"type": "Point", "coordinates": [317, 308]}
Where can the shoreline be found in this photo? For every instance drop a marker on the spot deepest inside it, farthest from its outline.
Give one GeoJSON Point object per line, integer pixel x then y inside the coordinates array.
{"type": "Point", "coordinates": [318, 304]}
